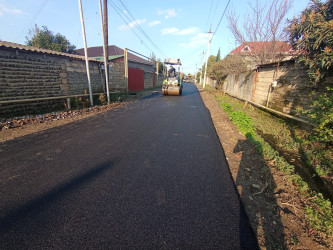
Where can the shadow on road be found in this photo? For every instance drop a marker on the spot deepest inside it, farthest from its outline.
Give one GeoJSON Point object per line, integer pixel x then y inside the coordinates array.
{"type": "Point", "coordinates": [34, 207]}
{"type": "Point", "coordinates": [256, 187]}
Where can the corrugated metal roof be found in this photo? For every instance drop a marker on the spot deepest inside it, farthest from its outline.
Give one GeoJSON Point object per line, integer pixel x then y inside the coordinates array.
{"type": "Point", "coordinates": [101, 58]}
{"type": "Point", "coordinates": [112, 51]}
{"type": "Point", "coordinates": [39, 50]}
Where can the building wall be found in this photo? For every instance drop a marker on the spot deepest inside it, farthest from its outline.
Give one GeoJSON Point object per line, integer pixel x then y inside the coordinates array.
{"type": "Point", "coordinates": [159, 80]}
{"type": "Point", "coordinates": [148, 75]}
{"type": "Point", "coordinates": [117, 75]}
{"type": "Point", "coordinates": [292, 92]}
{"type": "Point", "coordinates": [26, 74]}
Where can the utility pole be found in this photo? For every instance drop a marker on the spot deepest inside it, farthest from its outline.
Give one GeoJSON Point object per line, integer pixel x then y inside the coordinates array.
{"type": "Point", "coordinates": [209, 37]}
{"type": "Point", "coordinates": [86, 53]}
{"type": "Point", "coordinates": [195, 73]}
{"type": "Point", "coordinates": [105, 55]}
{"type": "Point", "coordinates": [106, 34]}
{"type": "Point", "coordinates": [126, 68]}
{"type": "Point", "coordinates": [203, 53]}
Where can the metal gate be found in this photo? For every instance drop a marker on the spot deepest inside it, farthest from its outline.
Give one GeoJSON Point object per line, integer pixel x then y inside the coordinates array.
{"type": "Point", "coordinates": [136, 79]}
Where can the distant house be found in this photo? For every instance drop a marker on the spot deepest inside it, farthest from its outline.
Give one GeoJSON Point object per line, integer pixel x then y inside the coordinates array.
{"type": "Point", "coordinates": [114, 52]}
{"type": "Point", "coordinates": [141, 72]}
{"type": "Point", "coordinates": [264, 52]}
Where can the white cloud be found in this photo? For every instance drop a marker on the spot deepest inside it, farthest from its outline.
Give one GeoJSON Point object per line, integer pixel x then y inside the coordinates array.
{"type": "Point", "coordinates": [175, 31]}
{"type": "Point", "coordinates": [132, 24]}
{"type": "Point", "coordinates": [189, 31]}
{"type": "Point", "coordinates": [167, 13]}
{"type": "Point", "coordinates": [153, 23]}
{"type": "Point", "coordinates": [196, 41]}
{"type": "Point", "coordinates": [169, 31]}
{"type": "Point", "coordinates": [4, 9]}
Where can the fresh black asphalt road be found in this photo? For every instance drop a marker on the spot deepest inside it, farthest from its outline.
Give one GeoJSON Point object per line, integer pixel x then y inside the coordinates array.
{"type": "Point", "coordinates": [149, 175]}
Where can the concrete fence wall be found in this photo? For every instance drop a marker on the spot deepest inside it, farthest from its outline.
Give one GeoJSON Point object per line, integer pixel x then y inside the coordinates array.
{"type": "Point", "coordinates": [293, 90]}
{"type": "Point", "coordinates": [30, 74]}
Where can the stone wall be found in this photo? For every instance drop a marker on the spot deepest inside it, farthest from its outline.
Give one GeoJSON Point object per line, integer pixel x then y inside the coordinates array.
{"type": "Point", "coordinates": [159, 80]}
{"type": "Point", "coordinates": [293, 90]}
{"type": "Point", "coordinates": [30, 74]}
{"type": "Point", "coordinates": [117, 76]}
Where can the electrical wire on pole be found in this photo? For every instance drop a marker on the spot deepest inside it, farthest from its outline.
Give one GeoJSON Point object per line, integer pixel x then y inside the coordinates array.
{"type": "Point", "coordinates": [207, 55]}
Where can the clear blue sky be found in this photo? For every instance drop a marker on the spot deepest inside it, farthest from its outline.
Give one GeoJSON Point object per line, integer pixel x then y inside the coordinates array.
{"type": "Point", "coordinates": [178, 28]}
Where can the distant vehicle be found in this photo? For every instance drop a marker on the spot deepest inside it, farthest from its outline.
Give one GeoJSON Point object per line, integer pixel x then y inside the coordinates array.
{"type": "Point", "coordinates": [172, 84]}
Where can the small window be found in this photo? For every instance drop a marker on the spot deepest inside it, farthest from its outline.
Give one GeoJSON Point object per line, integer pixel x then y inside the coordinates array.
{"type": "Point", "coordinates": [246, 49]}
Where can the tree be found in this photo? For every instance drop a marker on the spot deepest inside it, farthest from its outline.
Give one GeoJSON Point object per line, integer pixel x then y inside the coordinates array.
{"type": "Point", "coordinates": [264, 23]}
{"type": "Point", "coordinates": [218, 56]}
{"type": "Point", "coordinates": [312, 34]}
{"type": "Point", "coordinates": [45, 39]}
{"type": "Point", "coordinates": [232, 64]}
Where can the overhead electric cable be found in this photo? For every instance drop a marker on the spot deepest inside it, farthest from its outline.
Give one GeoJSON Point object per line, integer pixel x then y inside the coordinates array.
{"type": "Point", "coordinates": [140, 28]}
{"type": "Point", "coordinates": [119, 13]}
{"type": "Point", "coordinates": [210, 10]}
{"type": "Point", "coordinates": [226, 7]}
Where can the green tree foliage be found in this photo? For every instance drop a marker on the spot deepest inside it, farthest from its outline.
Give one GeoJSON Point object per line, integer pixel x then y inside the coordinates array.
{"type": "Point", "coordinates": [45, 39]}
{"type": "Point", "coordinates": [232, 64]}
{"type": "Point", "coordinates": [312, 34]}
{"type": "Point", "coordinates": [218, 56]}
{"type": "Point", "coordinates": [321, 114]}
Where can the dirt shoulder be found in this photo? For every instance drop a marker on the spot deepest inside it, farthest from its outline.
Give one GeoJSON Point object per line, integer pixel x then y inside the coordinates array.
{"type": "Point", "coordinates": [273, 205]}
{"type": "Point", "coordinates": [18, 127]}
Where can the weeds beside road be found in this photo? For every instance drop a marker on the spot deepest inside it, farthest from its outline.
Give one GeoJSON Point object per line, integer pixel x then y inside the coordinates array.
{"type": "Point", "coordinates": [284, 211]}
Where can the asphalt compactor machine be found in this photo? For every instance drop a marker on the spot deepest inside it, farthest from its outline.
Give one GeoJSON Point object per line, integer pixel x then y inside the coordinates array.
{"type": "Point", "coordinates": [172, 84]}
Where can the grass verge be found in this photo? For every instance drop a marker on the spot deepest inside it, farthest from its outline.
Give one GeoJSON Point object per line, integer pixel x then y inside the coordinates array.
{"type": "Point", "coordinates": [318, 210]}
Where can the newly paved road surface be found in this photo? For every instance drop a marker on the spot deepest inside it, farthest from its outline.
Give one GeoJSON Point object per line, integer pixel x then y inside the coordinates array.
{"type": "Point", "coordinates": [150, 175]}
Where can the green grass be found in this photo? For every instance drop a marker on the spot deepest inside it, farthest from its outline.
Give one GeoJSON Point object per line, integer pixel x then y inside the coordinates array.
{"type": "Point", "coordinates": [318, 211]}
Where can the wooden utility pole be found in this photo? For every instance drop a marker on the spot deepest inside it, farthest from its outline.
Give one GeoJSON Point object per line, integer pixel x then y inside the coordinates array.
{"type": "Point", "coordinates": [105, 48]}
{"type": "Point", "coordinates": [86, 53]}
{"type": "Point", "coordinates": [205, 77]}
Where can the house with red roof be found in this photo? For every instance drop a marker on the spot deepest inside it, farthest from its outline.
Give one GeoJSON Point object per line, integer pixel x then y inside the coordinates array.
{"type": "Point", "coordinates": [265, 52]}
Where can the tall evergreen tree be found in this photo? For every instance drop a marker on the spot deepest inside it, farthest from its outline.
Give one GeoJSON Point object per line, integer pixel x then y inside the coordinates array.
{"type": "Point", "coordinates": [218, 56]}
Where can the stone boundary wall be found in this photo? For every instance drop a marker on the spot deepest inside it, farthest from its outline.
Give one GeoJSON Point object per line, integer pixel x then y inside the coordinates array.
{"type": "Point", "coordinates": [117, 75]}
{"type": "Point", "coordinates": [159, 80]}
{"type": "Point", "coordinates": [26, 74]}
{"type": "Point", "coordinates": [293, 90]}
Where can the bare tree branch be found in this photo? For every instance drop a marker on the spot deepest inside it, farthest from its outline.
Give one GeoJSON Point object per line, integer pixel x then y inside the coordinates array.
{"type": "Point", "coordinates": [263, 23]}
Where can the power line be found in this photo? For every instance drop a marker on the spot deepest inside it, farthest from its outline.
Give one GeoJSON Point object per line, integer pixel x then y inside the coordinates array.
{"type": "Point", "coordinates": [118, 11]}
{"type": "Point", "coordinates": [33, 20]}
{"type": "Point", "coordinates": [139, 27]}
{"type": "Point", "coordinates": [226, 7]}
{"type": "Point", "coordinates": [210, 9]}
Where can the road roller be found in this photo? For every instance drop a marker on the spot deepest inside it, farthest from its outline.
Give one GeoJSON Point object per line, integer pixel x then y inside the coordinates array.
{"type": "Point", "coordinates": [172, 84]}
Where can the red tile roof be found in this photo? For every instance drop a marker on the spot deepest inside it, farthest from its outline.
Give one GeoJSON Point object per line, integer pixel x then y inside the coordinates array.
{"type": "Point", "coordinates": [256, 47]}
{"type": "Point", "coordinates": [113, 51]}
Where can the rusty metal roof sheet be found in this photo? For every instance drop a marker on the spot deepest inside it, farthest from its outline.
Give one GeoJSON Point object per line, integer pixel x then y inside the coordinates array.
{"type": "Point", "coordinates": [39, 50]}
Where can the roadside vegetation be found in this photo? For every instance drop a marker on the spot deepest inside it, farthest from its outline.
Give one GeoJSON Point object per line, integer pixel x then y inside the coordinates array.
{"type": "Point", "coordinates": [254, 123]}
